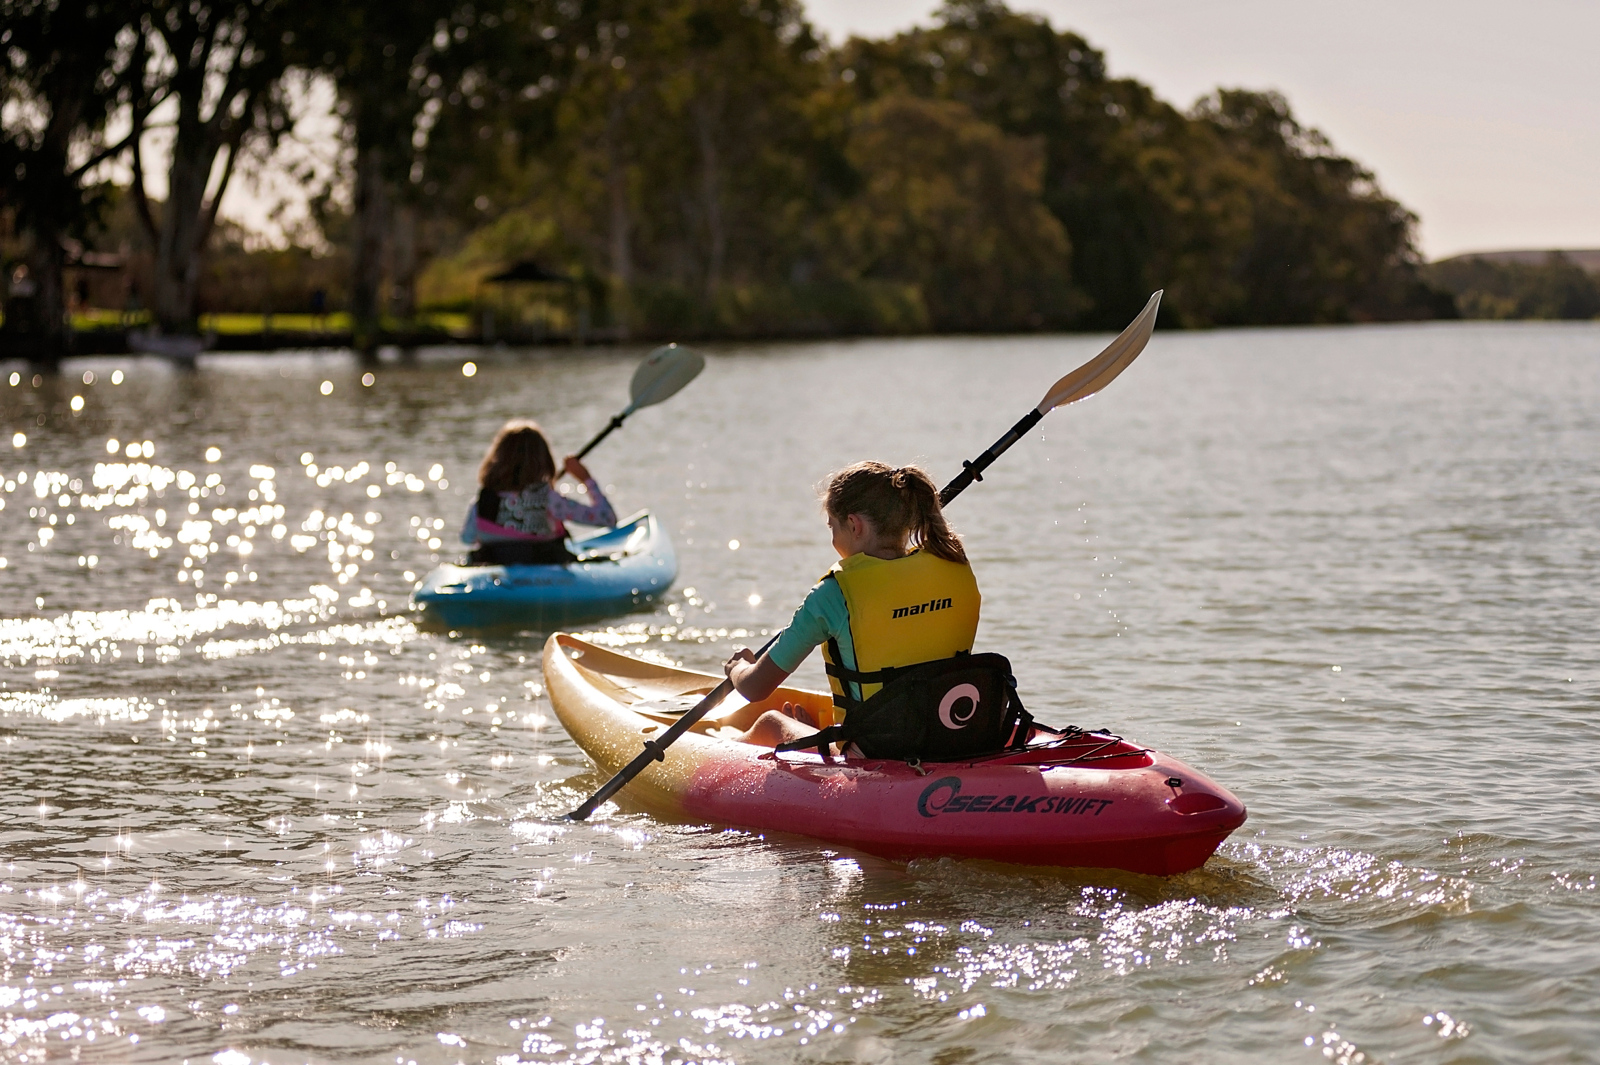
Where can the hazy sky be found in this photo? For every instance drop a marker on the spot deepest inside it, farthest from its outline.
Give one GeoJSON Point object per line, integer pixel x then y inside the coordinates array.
{"type": "Point", "coordinates": [1483, 118]}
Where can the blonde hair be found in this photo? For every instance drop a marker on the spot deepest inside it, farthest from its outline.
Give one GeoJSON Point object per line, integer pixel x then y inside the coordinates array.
{"type": "Point", "coordinates": [900, 501]}
{"type": "Point", "coordinates": [518, 456]}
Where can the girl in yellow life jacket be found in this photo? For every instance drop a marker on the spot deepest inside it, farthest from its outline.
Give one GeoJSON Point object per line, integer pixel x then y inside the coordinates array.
{"type": "Point", "coordinates": [901, 594]}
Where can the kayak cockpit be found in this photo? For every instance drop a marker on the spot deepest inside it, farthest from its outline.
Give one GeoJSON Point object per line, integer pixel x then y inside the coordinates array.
{"type": "Point", "coordinates": [658, 694]}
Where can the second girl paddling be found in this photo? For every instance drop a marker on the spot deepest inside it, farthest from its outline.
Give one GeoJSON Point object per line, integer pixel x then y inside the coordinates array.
{"type": "Point", "coordinates": [519, 518]}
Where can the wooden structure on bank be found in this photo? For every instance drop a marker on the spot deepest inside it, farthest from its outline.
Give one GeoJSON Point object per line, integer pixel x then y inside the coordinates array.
{"type": "Point", "coordinates": [534, 304]}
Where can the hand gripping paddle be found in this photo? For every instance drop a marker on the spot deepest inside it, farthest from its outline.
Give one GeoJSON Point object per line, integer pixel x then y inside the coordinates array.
{"type": "Point", "coordinates": [1081, 383]}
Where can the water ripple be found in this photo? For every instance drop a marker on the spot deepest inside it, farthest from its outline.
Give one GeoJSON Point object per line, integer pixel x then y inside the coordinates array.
{"type": "Point", "coordinates": [250, 813]}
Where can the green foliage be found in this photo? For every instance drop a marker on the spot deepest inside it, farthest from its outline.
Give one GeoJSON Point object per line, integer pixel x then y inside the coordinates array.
{"type": "Point", "coordinates": [987, 162]}
{"type": "Point", "coordinates": [58, 88]}
{"type": "Point", "coordinates": [1321, 242]}
{"type": "Point", "coordinates": [811, 308]}
{"type": "Point", "coordinates": [951, 204]}
{"type": "Point", "coordinates": [1556, 288]}
{"type": "Point", "coordinates": [454, 280]}
{"type": "Point", "coordinates": [706, 167]}
{"type": "Point", "coordinates": [1238, 211]}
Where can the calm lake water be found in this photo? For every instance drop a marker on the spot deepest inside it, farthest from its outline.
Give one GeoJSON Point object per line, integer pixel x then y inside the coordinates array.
{"type": "Point", "coordinates": [248, 812]}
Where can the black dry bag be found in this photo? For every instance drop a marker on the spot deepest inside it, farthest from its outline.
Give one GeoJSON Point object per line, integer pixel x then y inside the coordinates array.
{"type": "Point", "coordinates": [943, 711]}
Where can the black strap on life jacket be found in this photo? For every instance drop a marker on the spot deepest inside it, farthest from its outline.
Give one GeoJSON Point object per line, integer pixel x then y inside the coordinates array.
{"type": "Point", "coordinates": [848, 676]}
{"type": "Point", "coordinates": [926, 712]}
{"type": "Point", "coordinates": [521, 553]}
{"type": "Point", "coordinates": [489, 505]}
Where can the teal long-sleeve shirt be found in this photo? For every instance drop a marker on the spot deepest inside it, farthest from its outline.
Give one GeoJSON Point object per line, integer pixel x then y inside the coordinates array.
{"type": "Point", "coordinates": [821, 617]}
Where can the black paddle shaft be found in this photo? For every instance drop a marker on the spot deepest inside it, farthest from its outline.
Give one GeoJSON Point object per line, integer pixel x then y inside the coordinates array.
{"type": "Point", "coordinates": [656, 750]}
{"type": "Point", "coordinates": [973, 471]}
{"type": "Point", "coordinates": [616, 423]}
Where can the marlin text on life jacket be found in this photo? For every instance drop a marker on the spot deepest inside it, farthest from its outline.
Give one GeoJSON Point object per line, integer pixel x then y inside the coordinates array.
{"type": "Point", "coordinates": [921, 608]}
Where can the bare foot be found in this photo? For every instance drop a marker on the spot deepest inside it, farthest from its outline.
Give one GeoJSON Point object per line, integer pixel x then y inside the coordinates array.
{"type": "Point", "coordinates": [800, 714]}
{"type": "Point", "coordinates": [779, 726]}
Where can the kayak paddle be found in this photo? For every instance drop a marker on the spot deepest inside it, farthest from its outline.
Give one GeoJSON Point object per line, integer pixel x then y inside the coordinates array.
{"type": "Point", "coordinates": [1081, 383]}
{"type": "Point", "coordinates": [656, 750]}
{"type": "Point", "coordinates": [662, 373]}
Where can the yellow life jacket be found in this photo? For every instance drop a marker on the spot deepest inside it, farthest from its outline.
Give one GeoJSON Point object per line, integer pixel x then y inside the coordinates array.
{"type": "Point", "coordinates": [903, 611]}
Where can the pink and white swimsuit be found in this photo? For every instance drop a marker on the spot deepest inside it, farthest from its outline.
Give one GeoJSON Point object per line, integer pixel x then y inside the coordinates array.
{"type": "Point", "coordinates": [538, 512]}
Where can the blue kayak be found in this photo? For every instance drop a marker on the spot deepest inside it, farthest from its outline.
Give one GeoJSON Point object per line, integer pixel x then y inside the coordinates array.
{"type": "Point", "coordinates": [619, 569]}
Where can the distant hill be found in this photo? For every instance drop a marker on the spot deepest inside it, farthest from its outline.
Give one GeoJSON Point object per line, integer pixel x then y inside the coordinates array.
{"type": "Point", "coordinates": [1521, 284]}
{"type": "Point", "coordinates": [1588, 258]}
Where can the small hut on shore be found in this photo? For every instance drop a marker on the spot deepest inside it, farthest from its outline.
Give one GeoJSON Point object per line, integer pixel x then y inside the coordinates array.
{"type": "Point", "coordinates": [532, 303]}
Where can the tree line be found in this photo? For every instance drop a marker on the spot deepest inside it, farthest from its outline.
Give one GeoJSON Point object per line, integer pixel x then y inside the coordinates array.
{"type": "Point", "coordinates": [693, 166]}
{"type": "Point", "coordinates": [1557, 288]}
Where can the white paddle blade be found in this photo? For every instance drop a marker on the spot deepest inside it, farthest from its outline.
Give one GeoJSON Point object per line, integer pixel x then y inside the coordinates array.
{"type": "Point", "coordinates": [1101, 370]}
{"type": "Point", "coordinates": [663, 372]}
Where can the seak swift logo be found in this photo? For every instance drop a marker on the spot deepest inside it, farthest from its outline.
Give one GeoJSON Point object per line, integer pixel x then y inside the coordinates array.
{"type": "Point", "coordinates": [944, 796]}
{"type": "Point", "coordinates": [959, 706]}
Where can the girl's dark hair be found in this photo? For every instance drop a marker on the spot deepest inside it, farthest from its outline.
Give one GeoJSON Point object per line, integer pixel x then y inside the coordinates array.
{"type": "Point", "coordinates": [900, 501]}
{"type": "Point", "coordinates": [518, 457]}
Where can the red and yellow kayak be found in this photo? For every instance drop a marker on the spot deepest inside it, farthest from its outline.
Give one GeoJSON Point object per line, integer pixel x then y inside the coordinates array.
{"type": "Point", "coordinates": [1084, 799]}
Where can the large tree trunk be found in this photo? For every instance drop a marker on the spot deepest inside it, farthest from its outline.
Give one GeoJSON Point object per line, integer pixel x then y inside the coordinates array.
{"type": "Point", "coordinates": [45, 323]}
{"type": "Point", "coordinates": [711, 197]}
{"type": "Point", "coordinates": [53, 199]}
{"type": "Point", "coordinates": [60, 68]}
{"type": "Point", "coordinates": [404, 257]}
{"type": "Point", "coordinates": [621, 222]}
{"type": "Point", "coordinates": [372, 220]}
{"type": "Point", "coordinates": [235, 85]}
{"type": "Point", "coordinates": [182, 236]}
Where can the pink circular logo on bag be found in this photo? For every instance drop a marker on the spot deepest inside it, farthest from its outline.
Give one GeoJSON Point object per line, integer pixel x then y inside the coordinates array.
{"type": "Point", "coordinates": [958, 706]}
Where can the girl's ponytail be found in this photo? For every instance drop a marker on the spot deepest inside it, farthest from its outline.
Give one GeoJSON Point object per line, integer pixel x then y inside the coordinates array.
{"type": "Point", "coordinates": [899, 501]}
{"type": "Point", "coordinates": [928, 529]}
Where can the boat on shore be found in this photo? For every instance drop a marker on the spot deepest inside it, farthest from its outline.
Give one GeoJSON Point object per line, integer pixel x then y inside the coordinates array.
{"type": "Point", "coordinates": [181, 347]}
{"type": "Point", "coordinates": [1077, 798]}
{"type": "Point", "coordinates": [623, 568]}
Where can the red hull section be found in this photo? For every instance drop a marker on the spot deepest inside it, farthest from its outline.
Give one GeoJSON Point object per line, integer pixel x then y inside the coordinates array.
{"type": "Point", "coordinates": [1119, 812]}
